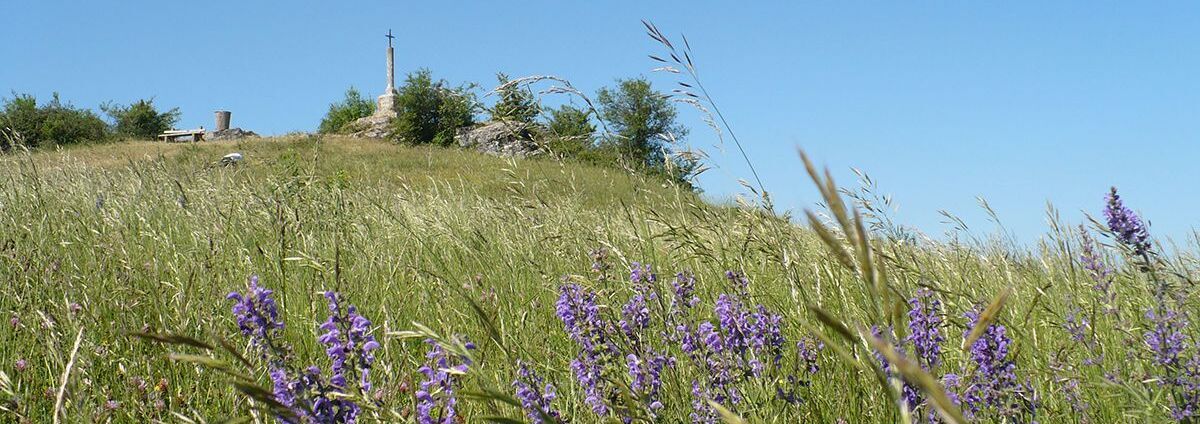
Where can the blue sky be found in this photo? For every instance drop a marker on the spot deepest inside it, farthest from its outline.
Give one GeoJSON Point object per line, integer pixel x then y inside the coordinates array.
{"type": "Point", "coordinates": [940, 102]}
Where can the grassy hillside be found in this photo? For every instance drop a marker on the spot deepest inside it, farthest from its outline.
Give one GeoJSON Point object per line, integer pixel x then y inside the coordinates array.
{"type": "Point", "coordinates": [100, 242]}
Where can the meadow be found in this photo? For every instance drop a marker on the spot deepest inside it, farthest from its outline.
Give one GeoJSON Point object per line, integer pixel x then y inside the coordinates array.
{"type": "Point", "coordinates": [477, 282]}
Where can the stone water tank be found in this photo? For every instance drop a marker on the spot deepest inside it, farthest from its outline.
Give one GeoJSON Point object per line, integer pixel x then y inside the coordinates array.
{"type": "Point", "coordinates": [223, 119]}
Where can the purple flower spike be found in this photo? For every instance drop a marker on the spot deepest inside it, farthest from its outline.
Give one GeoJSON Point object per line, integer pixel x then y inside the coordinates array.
{"type": "Point", "coordinates": [435, 397]}
{"type": "Point", "coordinates": [994, 386]}
{"type": "Point", "coordinates": [534, 397]}
{"type": "Point", "coordinates": [924, 328]}
{"type": "Point", "coordinates": [256, 313]}
{"type": "Point", "coordinates": [1126, 224]}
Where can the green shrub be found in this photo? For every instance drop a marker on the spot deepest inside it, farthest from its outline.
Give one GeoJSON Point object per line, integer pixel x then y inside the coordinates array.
{"type": "Point", "coordinates": [516, 103]}
{"type": "Point", "coordinates": [140, 119]}
{"type": "Point", "coordinates": [55, 123]}
{"type": "Point", "coordinates": [430, 111]}
{"type": "Point", "coordinates": [570, 132]}
{"type": "Point", "coordinates": [639, 116]}
{"type": "Point", "coordinates": [20, 119]}
{"type": "Point", "coordinates": [350, 109]}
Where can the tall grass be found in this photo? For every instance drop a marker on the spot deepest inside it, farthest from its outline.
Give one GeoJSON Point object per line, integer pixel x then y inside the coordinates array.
{"type": "Point", "coordinates": [112, 240]}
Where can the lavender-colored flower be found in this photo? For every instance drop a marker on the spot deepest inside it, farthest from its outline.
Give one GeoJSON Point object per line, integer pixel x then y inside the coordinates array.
{"type": "Point", "coordinates": [744, 344]}
{"type": "Point", "coordinates": [734, 322]}
{"type": "Point", "coordinates": [640, 274]}
{"type": "Point", "coordinates": [684, 288]}
{"type": "Point", "coordinates": [348, 342]}
{"type": "Point", "coordinates": [1166, 339]}
{"type": "Point", "coordinates": [21, 365]}
{"type": "Point", "coordinates": [1126, 224]}
{"type": "Point", "coordinates": [1187, 389]}
{"type": "Point", "coordinates": [924, 329]}
{"type": "Point", "coordinates": [877, 333]}
{"type": "Point", "coordinates": [435, 396]}
{"type": "Point", "coordinates": [590, 372]}
{"type": "Point", "coordinates": [535, 398]}
{"type": "Point", "coordinates": [808, 350]}
{"type": "Point", "coordinates": [702, 412]}
{"type": "Point", "coordinates": [577, 309]}
{"type": "Point", "coordinates": [1100, 273]}
{"type": "Point", "coordinates": [284, 387]}
{"type": "Point", "coordinates": [1076, 325]}
{"type": "Point", "coordinates": [111, 405]}
{"type": "Point", "coordinates": [951, 383]}
{"type": "Point", "coordinates": [994, 383]}
{"type": "Point", "coordinates": [739, 282]}
{"type": "Point", "coordinates": [580, 314]}
{"type": "Point", "coordinates": [635, 316]}
{"type": "Point", "coordinates": [646, 375]}
{"type": "Point", "coordinates": [306, 393]}
{"type": "Point", "coordinates": [600, 263]}
{"type": "Point", "coordinates": [256, 313]}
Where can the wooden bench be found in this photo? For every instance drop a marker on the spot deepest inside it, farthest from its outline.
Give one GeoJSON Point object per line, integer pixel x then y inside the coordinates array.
{"type": "Point", "coordinates": [174, 135]}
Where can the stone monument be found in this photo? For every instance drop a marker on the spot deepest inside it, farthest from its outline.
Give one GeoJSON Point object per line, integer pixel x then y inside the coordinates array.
{"type": "Point", "coordinates": [386, 104]}
{"type": "Point", "coordinates": [376, 125]}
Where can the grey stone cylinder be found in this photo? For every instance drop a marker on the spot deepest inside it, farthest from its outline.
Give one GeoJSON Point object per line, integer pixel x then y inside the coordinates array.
{"type": "Point", "coordinates": [223, 117]}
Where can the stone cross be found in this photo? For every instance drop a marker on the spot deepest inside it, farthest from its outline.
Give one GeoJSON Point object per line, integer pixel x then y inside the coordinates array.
{"type": "Point", "coordinates": [385, 105]}
{"type": "Point", "coordinates": [391, 86]}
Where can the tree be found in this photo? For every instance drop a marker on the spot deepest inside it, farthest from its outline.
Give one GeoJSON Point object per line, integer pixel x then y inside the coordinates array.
{"type": "Point", "coordinates": [54, 123]}
{"type": "Point", "coordinates": [570, 131]}
{"type": "Point", "coordinates": [20, 119]}
{"type": "Point", "coordinates": [515, 104]}
{"type": "Point", "coordinates": [350, 109]}
{"type": "Point", "coordinates": [140, 119]}
{"type": "Point", "coordinates": [429, 111]}
{"type": "Point", "coordinates": [640, 118]}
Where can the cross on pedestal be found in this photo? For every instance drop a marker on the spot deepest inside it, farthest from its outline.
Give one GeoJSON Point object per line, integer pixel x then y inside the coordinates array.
{"type": "Point", "coordinates": [391, 66]}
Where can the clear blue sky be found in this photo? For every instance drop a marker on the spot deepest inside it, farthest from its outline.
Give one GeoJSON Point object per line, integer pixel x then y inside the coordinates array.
{"type": "Point", "coordinates": [1020, 103]}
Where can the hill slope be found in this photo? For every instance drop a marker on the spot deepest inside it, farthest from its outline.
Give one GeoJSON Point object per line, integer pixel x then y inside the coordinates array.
{"type": "Point", "coordinates": [531, 260]}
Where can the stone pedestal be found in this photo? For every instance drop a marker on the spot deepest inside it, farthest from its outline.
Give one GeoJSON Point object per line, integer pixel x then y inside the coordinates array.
{"type": "Point", "coordinates": [385, 106]}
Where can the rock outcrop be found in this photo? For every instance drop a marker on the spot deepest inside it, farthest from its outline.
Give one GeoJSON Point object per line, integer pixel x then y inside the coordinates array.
{"type": "Point", "coordinates": [229, 134]}
{"type": "Point", "coordinates": [374, 126]}
{"type": "Point", "coordinates": [500, 138]}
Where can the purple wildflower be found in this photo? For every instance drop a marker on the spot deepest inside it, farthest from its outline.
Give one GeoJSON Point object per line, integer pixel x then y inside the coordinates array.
{"type": "Point", "coordinates": [21, 365]}
{"type": "Point", "coordinates": [435, 396]}
{"type": "Point", "coordinates": [1100, 274]}
{"type": "Point", "coordinates": [684, 288]}
{"type": "Point", "coordinates": [1076, 325]}
{"type": "Point", "coordinates": [744, 344]}
{"type": "Point", "coordinates": [534, 397]}
{"type": "Point", "coordinates": [808, 350]}
{"type": "Point", "coordinates": [580, 314]}
{"type": "Point", "coordinates": [1187, 387]}
{"type": "Point", "coordinates": [1125, 224]}
{"type": "Point", "coordinates": [308, 396]}
{"type": "Point", "coordinates": [646, 375]}
{"type": "Point", "coordinates": [734, 322]}
{"type": "Point", "coordinates": [256, 313]}
{"type": "Point", "coordinates": [702, 412]}
{"type": "Point", "coordinates": [635, 316]}
{"type": "Point", "coordinates": [924, 329]}
{"type": "Point", "coordinates": [1166, 340]}
{"type": "Point", "coordinates": [350, 345]}
{"type": "Point", "coordinates": [994, 384]}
